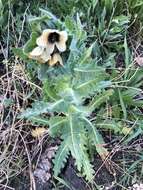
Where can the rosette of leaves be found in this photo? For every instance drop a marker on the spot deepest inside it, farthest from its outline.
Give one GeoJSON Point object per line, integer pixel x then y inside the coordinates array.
{"type": "Point", "coordinates": [70, 119]}
{"type": "Point", "coordinates": [65, 91]}
{"type": "Point", "coordinates": [75, 92]}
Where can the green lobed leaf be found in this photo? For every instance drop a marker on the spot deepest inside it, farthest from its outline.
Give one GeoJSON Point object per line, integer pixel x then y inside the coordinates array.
{"type": "Point", "coordinates": [20, 53]}
{"type": "Point", "coordinates": [96, 138]}
{"type": "Point", "coordinates": [60, 157]}
{"type": "Point", "coordinates": [89, 79]}
{"type": "Point", "coordinates": [39, 120]}
{"type": "Point", "coordinates": [38, 107]}
{"type": "Point", "coordinates": [57, 125]}
{"type": "Point", "coordinates": [31, 43]}
{"type": "Point", "coordinates": [98, 100]}
{"type": "Point", "coordinates": [116, 127]}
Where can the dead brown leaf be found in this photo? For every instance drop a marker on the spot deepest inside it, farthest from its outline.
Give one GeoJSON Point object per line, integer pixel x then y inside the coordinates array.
{"type": "Point", "coordinates": [42, 172]}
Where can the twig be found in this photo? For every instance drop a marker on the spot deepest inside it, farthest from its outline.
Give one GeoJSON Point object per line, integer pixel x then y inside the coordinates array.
{"type": "Point", "coordinates": [28, 82]}
{"type": "Point", "coordinates": [32, 179]}
{"type": "Point", "coordinates": [22, 27]}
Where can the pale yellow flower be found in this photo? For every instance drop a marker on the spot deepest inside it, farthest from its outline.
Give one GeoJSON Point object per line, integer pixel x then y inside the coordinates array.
{"type": "Point", "coordinates": [46, 45]}
{"type": "Point", "coordinates": [51, 38]}
{"type": "Point", "coordinates": [55, 58]}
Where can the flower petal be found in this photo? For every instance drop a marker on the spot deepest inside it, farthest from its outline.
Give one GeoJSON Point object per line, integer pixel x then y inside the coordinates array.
{"type": "Point", "coordinates": [36, 52]}
{"type": "Point", "coordinates": [50, 48]}
{"type": "Point", "coordinates": [40, 60]}
{"type": "Point", "coordinates": [43, 39]}
{"type": "Point", "coordinates": [63, 36]}
{"type": "Point", "coordinates": [45, 55]}
{"type": "Point", "coordinates": [61, 45]}
{"type": "Point", "coordinates": [55, 59]}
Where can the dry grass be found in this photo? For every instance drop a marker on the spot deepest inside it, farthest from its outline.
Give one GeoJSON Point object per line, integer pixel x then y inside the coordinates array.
{"type": "Point", "coordinates": [17, 147]}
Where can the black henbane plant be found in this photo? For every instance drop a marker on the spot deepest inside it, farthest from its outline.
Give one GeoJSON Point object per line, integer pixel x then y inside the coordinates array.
{"type": "Point", "coordinates": [71, 95]}
{"type": "Point", "coordinates": [65, 91]}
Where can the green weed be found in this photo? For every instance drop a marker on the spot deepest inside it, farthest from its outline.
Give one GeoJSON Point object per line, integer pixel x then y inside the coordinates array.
{"type": "Point", "coordinates": [93, 92]}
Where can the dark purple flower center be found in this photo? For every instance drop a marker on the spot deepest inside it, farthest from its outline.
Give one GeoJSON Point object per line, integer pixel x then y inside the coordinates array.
{"type": "Point", "coordinates": [53, 37]}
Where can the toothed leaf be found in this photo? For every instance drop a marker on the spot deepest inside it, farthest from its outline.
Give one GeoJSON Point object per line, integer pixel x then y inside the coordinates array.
{"type": "Point", "coordinates": [60, 158]}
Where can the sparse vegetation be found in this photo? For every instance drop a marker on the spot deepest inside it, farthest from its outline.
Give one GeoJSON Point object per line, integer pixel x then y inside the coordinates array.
{"type": "Point", "coordinates": [88, 112]}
